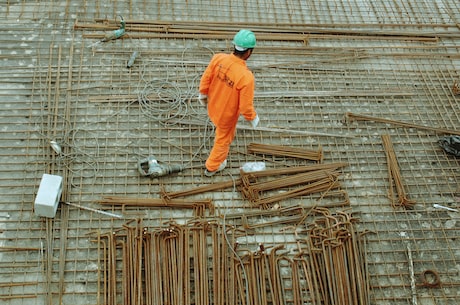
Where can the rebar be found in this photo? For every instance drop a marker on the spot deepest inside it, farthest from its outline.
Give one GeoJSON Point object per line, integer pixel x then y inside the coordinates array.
{"type": "Point", "coordinates": [165, 202]}
{"type": "Point", "coordinates": [180, 264]}
{"type": "Point", "coordinates": [201, 189]}
{"type": "Point", "coordinates": [222, 30]}
{"type": "Point", "coordinates": [338, 273]}
{"type": "Point", "coordinates": [395, 175]}
{"type": "Point", "coordinates": [286, 151]}
{"type": "Point", "coordinates": [303, 84]}
{"type": "Point", "coordinates": [311, 182]}
{"type": "Point", "coordinates": [350, 117]}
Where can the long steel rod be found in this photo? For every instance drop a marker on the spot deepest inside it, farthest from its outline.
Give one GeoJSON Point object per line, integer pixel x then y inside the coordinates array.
{"type": "Point", "coordinates": [94, 210]}
{"type": "Point", "coordinates": [268, 129]}
{"type": "Point", "coordinates": [264, 32]}
{"type": "Point", "coordinates": [359, 117]}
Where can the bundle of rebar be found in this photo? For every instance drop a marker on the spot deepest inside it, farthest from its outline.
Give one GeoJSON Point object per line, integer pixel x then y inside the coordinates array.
{"type": "Point", "coordinates": [200, 189]}
{"type": "Point", "coordinates": [330, 267]}
{"type": "Point", "coordinates": [395, 178]}
{"type": "Point", "coordinates": [286, 151]}
{"type": "Point", "coordinates": [171, 265]}
{"type": "Point", "coordinates": [200, 263]}
{"type": "Point", "coordinates": [197, 205]}
{"type": "Point", "coordinates": [246, 180]}
{"type": "Point", "coordinates": [259, 277]}
{"type": "Point", "coordinates": [332, 261]}
{"type": "Point", "coordinates": [322, 179]}
{"type": "Point", "coordinates": [264, 31]}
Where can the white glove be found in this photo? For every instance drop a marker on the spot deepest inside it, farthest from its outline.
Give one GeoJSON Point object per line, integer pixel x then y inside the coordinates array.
{"type": "Point", "coordinates": [255, 121]}
{"type": "Point", "coordinates": [203, 98]}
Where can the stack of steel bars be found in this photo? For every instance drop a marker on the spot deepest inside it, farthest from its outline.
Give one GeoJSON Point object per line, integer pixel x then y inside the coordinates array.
{"type": "Point", "coordinates": [318, 178]}
{"type": "Point", "coordinates": [171, 265]}
{"type": "Point", "coordinates": [202, 263]}
{"type": "Point", "coordinates": [395, 177]}
{"type": "Point", "coordinates": [287, 151]}
{"type": "Point", "coordinates": [332, 259]}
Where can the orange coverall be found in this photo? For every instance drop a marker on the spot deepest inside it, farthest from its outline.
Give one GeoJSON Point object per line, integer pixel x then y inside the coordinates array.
{"type": "Point", "coordinates": [229, 85]}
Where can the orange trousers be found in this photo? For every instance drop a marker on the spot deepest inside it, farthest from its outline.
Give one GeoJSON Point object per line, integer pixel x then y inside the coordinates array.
{"type": "Point", "coordinates": [219, 152]}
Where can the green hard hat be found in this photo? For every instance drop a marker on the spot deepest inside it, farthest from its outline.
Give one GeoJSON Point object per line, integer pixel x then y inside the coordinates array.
{"type": "Point", "coordinates": [244, 39]}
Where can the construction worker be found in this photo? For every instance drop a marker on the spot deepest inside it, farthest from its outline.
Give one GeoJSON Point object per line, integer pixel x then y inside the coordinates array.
{"type": "Point", "coordinates": [227, 88]}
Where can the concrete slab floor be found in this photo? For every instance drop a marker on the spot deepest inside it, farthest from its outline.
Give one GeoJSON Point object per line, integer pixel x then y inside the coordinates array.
{"type": "Point", "coordinates": [315, 62]}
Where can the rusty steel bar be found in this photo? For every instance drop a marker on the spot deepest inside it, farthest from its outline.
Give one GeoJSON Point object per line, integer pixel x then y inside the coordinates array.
{"type": "Point", "coordinates": [350, 117]}
{"type": "Point", "coordinates": [395, 174]}
{"type": "Point", "coordinates": [287, 151]}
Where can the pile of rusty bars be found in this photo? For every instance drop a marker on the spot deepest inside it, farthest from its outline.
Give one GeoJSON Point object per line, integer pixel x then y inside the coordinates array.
{"type": "Point", "coordinates": [186, 264]}
{"type": "Point", "coordinates": [286, 151]}
{"type": "Point", "coordinates": [262, 190]}
{"type": "Point", "coordinates": [333, 260]}
{"type": "Point", "coordinates": [328, 267]}
{"type": "Point", "coordinates": [202, 263]}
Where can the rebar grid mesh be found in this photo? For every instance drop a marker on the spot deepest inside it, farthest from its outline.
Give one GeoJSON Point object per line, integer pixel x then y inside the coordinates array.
{"type": "Point", "coordinates": [393, 59]}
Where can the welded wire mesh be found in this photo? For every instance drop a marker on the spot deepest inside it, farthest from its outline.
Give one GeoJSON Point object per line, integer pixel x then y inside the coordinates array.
{"type": "Point", "coordinates": [315, 62]}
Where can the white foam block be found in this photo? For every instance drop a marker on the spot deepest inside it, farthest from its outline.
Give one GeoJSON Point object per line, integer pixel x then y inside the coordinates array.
{"type": "Point", "coordinates": [48, 196]}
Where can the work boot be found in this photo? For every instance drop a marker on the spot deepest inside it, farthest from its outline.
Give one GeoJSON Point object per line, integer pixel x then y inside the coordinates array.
{"type": "Point", "coordinates": [221, 167]}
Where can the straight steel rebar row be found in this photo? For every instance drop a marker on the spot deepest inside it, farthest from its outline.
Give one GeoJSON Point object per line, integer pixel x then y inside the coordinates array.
{"type": "Point", "coordinates": [221, 30]}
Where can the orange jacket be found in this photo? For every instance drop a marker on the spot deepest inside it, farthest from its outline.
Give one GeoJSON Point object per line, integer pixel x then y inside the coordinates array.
{"type": "Point", "coordinates": [229, 85]}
